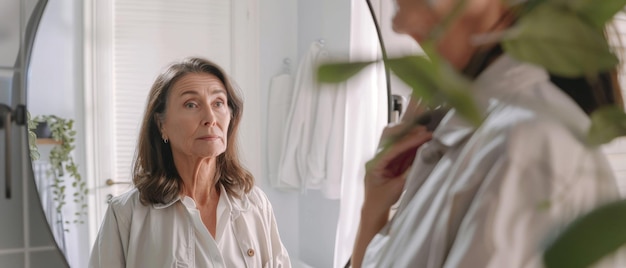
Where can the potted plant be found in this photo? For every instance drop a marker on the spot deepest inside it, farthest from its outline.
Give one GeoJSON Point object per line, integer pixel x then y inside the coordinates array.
{"type": "Point", "coordinates": [61, 131]}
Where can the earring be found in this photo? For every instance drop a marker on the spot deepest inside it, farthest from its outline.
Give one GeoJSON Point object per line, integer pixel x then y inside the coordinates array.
{"type": "Point", "coordinates": [165, 140]}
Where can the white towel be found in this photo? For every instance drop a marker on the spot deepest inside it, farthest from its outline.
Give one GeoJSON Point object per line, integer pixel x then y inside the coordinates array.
{"type": "Point", "coordinates": [280, 91]}
{"type": "Point", "coordinates": [312, 149]}
{"type": "Point", "coordinates": [335, 149]}
{"type": "Point", "coordinates": [325, 155]}
{"type": "Point", "coordinates": [292, 165]}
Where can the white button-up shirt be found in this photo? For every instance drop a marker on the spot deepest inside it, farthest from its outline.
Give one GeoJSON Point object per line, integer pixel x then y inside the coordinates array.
{"type": "Point", "coordinates": [495, 195]}
{"type": "Point", "coordinates": [173, 235]}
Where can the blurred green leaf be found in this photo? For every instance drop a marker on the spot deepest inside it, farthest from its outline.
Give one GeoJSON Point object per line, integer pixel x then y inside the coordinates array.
{"type": "Point", "coordinates": [418, 73]}
{"type": "Point", "coordinates": [607, 123]}
{"type": "Point", "coordinates": [435, 81]}
{"type": "Point", "coordinates": [529, 5]}
{"type": "Point", "coordinates": [559, 40]}
{"type": "Point", "coordinates": [455, 87]}
{"type": "Point", "coordinates": [339, 72]}
{"type": "Point", "coordinates": [598, 12]}
{"type": "Point", "coordinates": [464, 104]}
{"type": "Point", "coordinates": [589, 238]}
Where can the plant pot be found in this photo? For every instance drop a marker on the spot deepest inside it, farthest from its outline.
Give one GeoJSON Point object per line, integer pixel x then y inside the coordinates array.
{"type": "Point", "coordinates": [43, 130]}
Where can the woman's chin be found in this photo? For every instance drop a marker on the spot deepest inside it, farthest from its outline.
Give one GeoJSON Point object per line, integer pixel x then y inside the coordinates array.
{"type": "Point", "coordinates": [211, 153]}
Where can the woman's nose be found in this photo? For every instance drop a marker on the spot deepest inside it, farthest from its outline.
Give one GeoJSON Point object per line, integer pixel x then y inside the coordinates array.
{"type": "Point", "coordinates": [209, 118]}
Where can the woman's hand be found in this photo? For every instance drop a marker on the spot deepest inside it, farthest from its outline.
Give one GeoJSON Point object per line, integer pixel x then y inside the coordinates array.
{"type": "Point", "coordinates": [384, 180]}
{"type": "Point", "coordinates": [385, 174]}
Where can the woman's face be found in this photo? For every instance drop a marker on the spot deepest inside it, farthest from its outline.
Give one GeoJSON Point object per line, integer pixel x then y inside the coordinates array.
{"type": "Point", "coordinates": [418, 18]}
{"type": "Point", "coordinates": [197, 116]}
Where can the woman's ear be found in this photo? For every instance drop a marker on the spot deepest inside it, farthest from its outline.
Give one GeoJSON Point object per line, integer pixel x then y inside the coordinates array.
{"type": "Point", "coordinates": [158, 119]}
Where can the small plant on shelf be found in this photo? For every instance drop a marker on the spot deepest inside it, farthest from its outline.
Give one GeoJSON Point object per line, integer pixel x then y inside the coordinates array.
{"type": "Point", "coordinates": [61, 161]}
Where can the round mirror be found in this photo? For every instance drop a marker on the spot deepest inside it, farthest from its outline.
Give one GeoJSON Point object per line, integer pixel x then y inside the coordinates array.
{"type": "Point", "coordinates": [27, 240]}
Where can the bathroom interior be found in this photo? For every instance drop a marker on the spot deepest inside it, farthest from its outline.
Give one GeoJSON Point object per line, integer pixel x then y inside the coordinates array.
{"type": "Point", "coordinates": [93, 61]}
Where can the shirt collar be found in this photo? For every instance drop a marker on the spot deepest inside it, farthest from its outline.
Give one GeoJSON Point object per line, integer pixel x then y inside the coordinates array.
{"type": "Point", "coordinates": [165, 205]}
{"type": "Point", "coordinates": [507, 76]}
{"type": "Point", "coordinates": [186, 200]}
{"type": "Point", "coordinates": [507, 79]}
{"type": "Point", "coordinates": [504, 77]}
{"type": "Point", "coordinates": [528, 86]}
{"type": "Point", "coordinates": [232, 204]}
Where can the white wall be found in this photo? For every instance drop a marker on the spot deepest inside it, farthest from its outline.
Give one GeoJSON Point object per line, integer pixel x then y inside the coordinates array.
{"type": "Point", "coordinates": [328, 20]}
{"type": "Point", "coordinates": [277, 38]}
{"type": "Point", "coordinates": [307, 221]}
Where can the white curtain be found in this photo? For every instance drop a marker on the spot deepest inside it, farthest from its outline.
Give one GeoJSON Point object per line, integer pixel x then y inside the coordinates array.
{"type": "Point", "coordinates": [366, 115]}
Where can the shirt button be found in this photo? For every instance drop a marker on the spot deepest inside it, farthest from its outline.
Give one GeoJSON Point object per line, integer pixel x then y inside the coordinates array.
{"type": "Point", "coordinates": [250, 252]}
{"type": "Point", "coordinates": [432, 153]}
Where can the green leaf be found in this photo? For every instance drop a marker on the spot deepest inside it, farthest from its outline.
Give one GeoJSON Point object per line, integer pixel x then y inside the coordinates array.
{"type": "Point", "coordinates": [529, 5]}
{"type": "Point", "coordinates": [589, 238]}
{"type": "Point", "coordinates": [339, 72]}
{"type": "Point", "coordinates": [34, 154]}
{"type": "Point", "coordinates": [607, 123]}
{"type": "Point", "coordinates": [417, 72]}
{"type": "Point", "coordinates": [456, 88]}
{"type": "Point", "coordinates": [598, 12]}
{"type": "Point", "coordinates": [435, 81]}
{"type": "Point", "coordinates": [464, 104]}
{"type": "Point", "coordinates": [561, 41]}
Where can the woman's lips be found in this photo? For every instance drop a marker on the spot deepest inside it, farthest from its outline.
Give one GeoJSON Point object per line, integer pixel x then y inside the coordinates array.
{"type": "Point", "coordinates": [209, 137]}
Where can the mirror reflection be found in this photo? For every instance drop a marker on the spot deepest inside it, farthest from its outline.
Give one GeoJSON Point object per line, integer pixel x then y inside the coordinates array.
{"type": "Point", "coordinates": [93, 68]}
{"type": "Point", "coordinates": [94, 62]}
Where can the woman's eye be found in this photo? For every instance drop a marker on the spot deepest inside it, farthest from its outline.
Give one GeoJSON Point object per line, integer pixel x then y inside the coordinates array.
{"type": "Point", "coordinates": [219, 104]}
{"type": "Point", "coordinates": [190, 105]}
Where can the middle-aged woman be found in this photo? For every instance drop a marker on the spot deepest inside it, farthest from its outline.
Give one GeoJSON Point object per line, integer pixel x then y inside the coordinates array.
{"type": "Point", "coordinates": [194, 204]}
{"type": "Point", "coordinates": [493, 195]}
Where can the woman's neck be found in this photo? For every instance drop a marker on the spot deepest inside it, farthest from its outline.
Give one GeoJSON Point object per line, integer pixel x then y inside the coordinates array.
{"type": "Point", "coordinates": [461, 45]}
{"type": "Point", "coordinates": [481, 60]}
{"type": "Point", "coordinates": [198, 176]}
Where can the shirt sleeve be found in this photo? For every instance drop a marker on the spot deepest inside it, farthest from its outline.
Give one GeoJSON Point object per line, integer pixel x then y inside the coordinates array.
{"type": "Point", "coordinates": [109, 249]}
{"type": "Point", "coordinates": [528, 196]}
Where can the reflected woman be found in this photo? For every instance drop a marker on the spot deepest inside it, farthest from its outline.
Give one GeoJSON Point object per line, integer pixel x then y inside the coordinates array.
{"type": "Point", "coordinates": [194, 204]}
{"type": "Point", "coordinates": [487, 196]}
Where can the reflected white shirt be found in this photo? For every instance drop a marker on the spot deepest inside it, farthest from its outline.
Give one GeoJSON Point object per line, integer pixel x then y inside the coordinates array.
{"type": "Point", "coordinates": [173, 235]}
{"type": "Point", "coordinates": [495, 195]}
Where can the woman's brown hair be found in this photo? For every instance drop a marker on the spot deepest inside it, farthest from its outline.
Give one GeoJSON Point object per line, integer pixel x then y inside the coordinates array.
{"type": "Point", "coordinates": [154, 172]}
